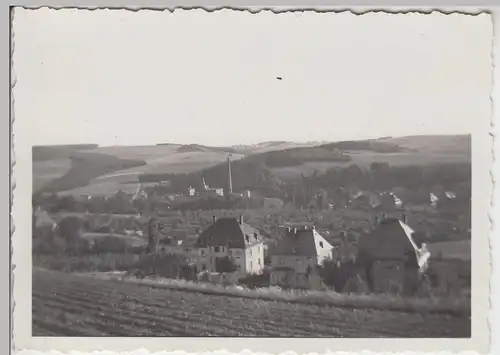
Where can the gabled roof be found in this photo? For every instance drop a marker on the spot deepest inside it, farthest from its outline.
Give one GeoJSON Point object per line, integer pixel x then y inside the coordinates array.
{"type": "Point", "coordinates": [230, 233]}
{"type": "Point", "coordinates": [43, 219]}
{"type": "Point", "coordinates": [392, 239]}
{"type": "Point", "coordinates": [302, 242]}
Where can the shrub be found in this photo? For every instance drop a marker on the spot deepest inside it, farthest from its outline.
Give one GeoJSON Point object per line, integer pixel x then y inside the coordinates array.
{"type": "Point", "coordinates": [85, 263]}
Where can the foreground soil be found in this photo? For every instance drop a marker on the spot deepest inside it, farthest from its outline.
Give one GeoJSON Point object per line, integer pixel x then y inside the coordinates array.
{"type": "Point", "coordinates": [70, 305]}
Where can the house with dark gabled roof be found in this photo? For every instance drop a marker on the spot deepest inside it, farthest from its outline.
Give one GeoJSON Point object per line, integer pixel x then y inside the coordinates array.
{"type": "Point", "coordinates": [230, 238]}
{"type": "Point", "coordinates": [391, 258]}
{"type": "Point", "coordinates": [296, 258]}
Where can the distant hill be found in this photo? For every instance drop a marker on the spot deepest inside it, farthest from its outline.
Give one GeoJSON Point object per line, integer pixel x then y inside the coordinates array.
{"type": "Point", "coordinates": [265, 164]}
{"type": "Point", "coordinates": [271, 146]}
{"type": "Point", "coordinates": [434, 144]}
{"type": "Point", "coordinates": [51, 152]}
{"type": "Point", "coordinates": [188, 148]}
{"type": "Point", "coordinates": [267, 171]}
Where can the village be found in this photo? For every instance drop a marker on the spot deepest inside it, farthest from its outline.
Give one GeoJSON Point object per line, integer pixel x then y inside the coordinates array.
{"type": "Point", "coordinates": [359, 242]}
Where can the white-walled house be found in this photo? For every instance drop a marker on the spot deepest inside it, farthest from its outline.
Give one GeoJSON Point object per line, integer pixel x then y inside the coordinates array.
{"type": "Point", "coordinates": [296, 258]}
{"type": "Point", "coordinates": [231, 237]}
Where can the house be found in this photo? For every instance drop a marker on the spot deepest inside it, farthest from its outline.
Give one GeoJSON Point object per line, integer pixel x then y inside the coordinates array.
{"type": "Point", "coordinates": [43, 224]}
{"type": "Point", "coordinates": [296, 257]}
{"type": "Point", "coordinates": [390, 259]}
{"type": "Point", "coordinates": [365, 200]}
{"type": "Point", "coordinates": [211, 191]}
{"type": "Point", "coordinates": [450, 268]}
{"type": "Point", "coordinates": [389, 200]}
{"type": "Point", "coordinates": [234, 239]}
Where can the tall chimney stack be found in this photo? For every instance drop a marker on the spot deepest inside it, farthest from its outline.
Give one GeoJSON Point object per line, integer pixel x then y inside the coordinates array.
{"type": "Point", "coordinates": [404, 218]}
{"type": "Point", "coordinates": [230, 178]}
{"type": "Point", "coordinates": [215, 219]}
{"type": "Point", "coordinates": [241, 219]}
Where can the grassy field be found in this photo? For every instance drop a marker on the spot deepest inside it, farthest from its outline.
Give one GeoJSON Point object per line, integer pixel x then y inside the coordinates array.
{"type": "Point", "coordinates": [53, 163]}
{"type": "Point", "coordinates": [47, 170]}
{"type": "Point", "coordinates": [71, 305]}
{"type": "Point", "coordinates": [158, 159]}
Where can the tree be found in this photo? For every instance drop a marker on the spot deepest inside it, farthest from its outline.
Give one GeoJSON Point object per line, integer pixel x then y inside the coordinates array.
{"type": "Point", "coordinates": [379, 166]}
{"type": "Point", "coordinates": [71, 229]}
{"type": "Point", "coordinates": [225, 265]}
{"type": "Point", "coordinates": [337, 274]}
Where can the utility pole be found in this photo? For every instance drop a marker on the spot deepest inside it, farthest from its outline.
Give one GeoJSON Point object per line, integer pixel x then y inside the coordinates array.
{"type": "Point", "coordinates": [230, 178]}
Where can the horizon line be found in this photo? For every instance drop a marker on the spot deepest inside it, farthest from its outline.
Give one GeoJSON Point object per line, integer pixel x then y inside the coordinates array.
{"type": "Point", "coordinates": [320, 142]}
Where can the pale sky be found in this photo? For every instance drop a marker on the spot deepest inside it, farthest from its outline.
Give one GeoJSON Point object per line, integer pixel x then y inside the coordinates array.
{"type": "Point", "coordinates": [121, 77]}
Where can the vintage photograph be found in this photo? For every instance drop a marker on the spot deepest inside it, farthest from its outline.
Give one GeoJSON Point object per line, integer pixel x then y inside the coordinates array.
{"type": "Point", "coordinates": [228, 174]}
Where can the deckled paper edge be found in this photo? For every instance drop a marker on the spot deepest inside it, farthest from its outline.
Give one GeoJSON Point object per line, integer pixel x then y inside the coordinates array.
{"type": "Point", "coordinates": [276, 10]}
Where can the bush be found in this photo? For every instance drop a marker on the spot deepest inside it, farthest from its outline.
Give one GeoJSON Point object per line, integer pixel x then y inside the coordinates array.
{"type": "Point", "coordinates": [225, 264]}
{"type": "Point", "coordinates": [337, 274]}
{"type": "Point", "coordinates": [110, 244]}
{"type": "Point", "coordinates": [86, 263]}
{"type": "Point", "coordinates": [169, 266]}
{"type": "Point", "coordinates": [255, 281]}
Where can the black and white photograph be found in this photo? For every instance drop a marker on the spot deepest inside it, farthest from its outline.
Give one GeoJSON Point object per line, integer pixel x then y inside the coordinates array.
{"type": "Point", "coordinates": [194, 174]}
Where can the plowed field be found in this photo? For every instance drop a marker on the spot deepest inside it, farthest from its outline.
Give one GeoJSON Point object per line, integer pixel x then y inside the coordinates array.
{"type": "Point", "coordinates": [69, 305]}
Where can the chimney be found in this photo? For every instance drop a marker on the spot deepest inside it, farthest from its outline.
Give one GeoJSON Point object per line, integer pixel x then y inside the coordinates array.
{"type": "Point", "coordinates": [404, 218]}
{"type": "Point", "coordinates": [215, 219]}
{"type": "Point", "coordinates": [229, 176]}
{"type": "Point", "coordinates": [241, 219]}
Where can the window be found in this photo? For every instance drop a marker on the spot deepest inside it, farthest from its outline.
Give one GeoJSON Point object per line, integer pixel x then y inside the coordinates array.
{"type": "Point", "coordinates": [203, 267]}
{"type": "Point", "coordinates": [222, 249]}
{"type": "Point", "coordinates": [247, 238]}
{"type": "Point", "coordinates": [203, 253]}
{"type": "Point", "coordinates": [299, 260]}
{"type": "Point", "coordinates": [321, 244]}
{"type": "Point", "coordinates": [250, 251]}
{"type": "Point", "coordinates": [259, 261]}
{"type": "Point", "coordinates": [216, 249]}
{"type": "Point", "coordinates": [251, 265]}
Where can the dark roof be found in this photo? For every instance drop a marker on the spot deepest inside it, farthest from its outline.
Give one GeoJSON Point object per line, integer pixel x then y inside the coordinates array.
{"type": "Point", "coordinates": [229, 232]}
{"type": "Point", "coordinates": [392, 239]}
{"type": "Point", "coordinates": [43, 219]}
{"type": "Point", "coordinates": [303, 242]}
